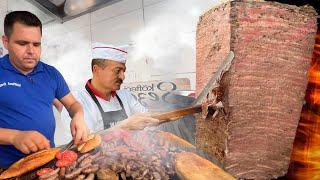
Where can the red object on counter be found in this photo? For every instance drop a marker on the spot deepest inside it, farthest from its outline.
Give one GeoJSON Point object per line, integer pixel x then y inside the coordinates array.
{"type": "Point", "coordinates": [66, 158]}
{"type": "Point", "coordinates": [67, 155]}
{"type": "Point", "coordinates": [63, 163]}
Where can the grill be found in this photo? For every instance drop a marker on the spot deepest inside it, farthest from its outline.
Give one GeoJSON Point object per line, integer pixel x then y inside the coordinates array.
{"type": "Point", "coordinates": [127, 155]}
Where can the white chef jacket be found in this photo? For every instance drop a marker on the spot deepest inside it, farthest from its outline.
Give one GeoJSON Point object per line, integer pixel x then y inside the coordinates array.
{"type": "Point", "coordinates": [92, 115]}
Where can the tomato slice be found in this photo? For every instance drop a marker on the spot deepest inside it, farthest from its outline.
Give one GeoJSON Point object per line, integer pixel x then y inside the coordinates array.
{"type": "Point", "coordinates": [67, 155]}
{"type": "Point", "coordinates": [63, 163]}
{"type": "Point", "coordinates": [43, 171]}
{"type": "Point", "coordinates": [59, 155]}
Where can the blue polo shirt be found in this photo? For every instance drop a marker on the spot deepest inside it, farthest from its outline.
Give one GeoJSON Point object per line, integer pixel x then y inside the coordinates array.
{"type": "Point", "coordinates": [26, 103]}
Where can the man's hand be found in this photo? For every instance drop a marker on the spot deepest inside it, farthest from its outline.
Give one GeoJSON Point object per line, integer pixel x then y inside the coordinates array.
{"type": "Point", "coordinates": [137, 122]}
{"type": "Point", "coordinates": [79, 129]}
{"type": "Point", "coordinates": [29, 141]}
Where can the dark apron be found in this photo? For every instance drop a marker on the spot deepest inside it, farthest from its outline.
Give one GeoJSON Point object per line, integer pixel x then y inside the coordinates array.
{"type": "Point", "coordinates": [111, 117]}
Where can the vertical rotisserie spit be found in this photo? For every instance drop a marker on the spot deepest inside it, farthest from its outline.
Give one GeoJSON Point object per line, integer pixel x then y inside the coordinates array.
{"type": "Point", "coordinates": [263, 92]}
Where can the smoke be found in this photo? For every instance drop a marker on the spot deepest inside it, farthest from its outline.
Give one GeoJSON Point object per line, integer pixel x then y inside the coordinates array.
{"type": "Point", "coordinates": [69, 53]}
{"type": "Point", "coordinates": [168, 40]}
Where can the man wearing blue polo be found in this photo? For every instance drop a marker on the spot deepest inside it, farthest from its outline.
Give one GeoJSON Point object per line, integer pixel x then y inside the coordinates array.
{"type": "Point", "coordinates": [27, 90]}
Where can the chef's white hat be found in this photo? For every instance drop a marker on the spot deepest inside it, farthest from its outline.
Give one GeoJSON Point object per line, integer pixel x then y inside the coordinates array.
{"type": "Point", "coordinates": [109, 52]}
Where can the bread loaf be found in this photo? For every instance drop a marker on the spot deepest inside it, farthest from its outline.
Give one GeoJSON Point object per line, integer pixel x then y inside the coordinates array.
{"type": "Point", "coordinates": [30, 163]}
{"type": "Point", "coordinates": [190, 166]}
{"type": "Point", "coordinates": [91, 136]}
{"type": "Point", "coordinates": [90, 144]}
{"type": "Point", "coordinates": [174, 139]}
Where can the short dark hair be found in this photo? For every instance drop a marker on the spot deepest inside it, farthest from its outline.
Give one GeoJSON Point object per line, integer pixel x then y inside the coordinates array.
{"type": "Point", "coordinates": [23, 17]}
{"type": "Point", "coordinates": [99, 62]}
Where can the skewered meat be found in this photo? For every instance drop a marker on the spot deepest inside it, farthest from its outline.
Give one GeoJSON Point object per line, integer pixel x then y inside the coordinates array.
{"type": "Point", "coordinates": [43, 171]}
{"type": "Point", "coordinates": [80, 177]}
{"type": "Point", "coordinates": [74, 173]}
{"type": "Point", "coordinates": [90, 169]}
{"type": "Point", "coordinates": [62, 172]}
{"type": "Point", "coordinates": [53, 173]}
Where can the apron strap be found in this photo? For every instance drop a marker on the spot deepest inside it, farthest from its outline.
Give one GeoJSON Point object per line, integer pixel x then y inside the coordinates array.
{"type": "Point", "coordinates": [94, 99]}
{"type": "Point", "coordinates": [119, 101]}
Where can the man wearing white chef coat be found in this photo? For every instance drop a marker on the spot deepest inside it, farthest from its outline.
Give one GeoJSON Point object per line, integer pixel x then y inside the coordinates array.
{"type": "Point", "coordinates": [104, 103]}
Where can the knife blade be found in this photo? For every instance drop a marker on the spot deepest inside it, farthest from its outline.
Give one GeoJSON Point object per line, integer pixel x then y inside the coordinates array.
{"type": "Point", "coordinates": [68, 146]}
{"type": "Point", "coordinates": [215, 78]}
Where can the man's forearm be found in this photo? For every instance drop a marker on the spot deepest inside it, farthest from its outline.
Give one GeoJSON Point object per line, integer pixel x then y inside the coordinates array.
{"type": "Point", "coordinates": [7, 135]}
{"type": "Point", "coordinates": [121, 125]}
{"type": "Point", "coordinates": [75, 109]}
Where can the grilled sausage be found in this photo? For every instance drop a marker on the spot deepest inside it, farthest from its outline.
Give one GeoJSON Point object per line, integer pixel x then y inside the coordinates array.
{"type": "Point", "coordinates": [90, 169]}
{"type": "Point", "coordinates": [73, 174]}
{"type": "Point", "coordinates": [50, 174]}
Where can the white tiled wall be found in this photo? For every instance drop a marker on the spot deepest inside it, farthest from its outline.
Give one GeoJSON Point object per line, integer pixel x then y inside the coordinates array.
{"type": "Point", "coordinates": [117, 9]}
{"type": "Point", "coordinates": [118, 30]}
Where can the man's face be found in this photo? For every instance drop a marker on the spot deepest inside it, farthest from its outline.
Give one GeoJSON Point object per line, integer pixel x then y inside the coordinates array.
{"type": "Point", "coordinates": [112, 76]}
{"type": "Point", "coordinates": [24, 46]}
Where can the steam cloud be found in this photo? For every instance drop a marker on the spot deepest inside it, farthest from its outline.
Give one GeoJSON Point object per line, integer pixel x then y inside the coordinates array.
{"type": "Point", "coordinates": [167, 42]}
{"type": "Point", "coordinates": [70, 53]}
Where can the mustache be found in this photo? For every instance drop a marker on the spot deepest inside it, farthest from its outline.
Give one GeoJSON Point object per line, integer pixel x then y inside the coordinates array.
{"type": "Point", "coordinates": [119, 81]}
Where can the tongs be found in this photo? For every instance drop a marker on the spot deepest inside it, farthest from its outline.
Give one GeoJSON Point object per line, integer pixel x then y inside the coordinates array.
{"type": "Point", "coordinates": [68, 146]}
